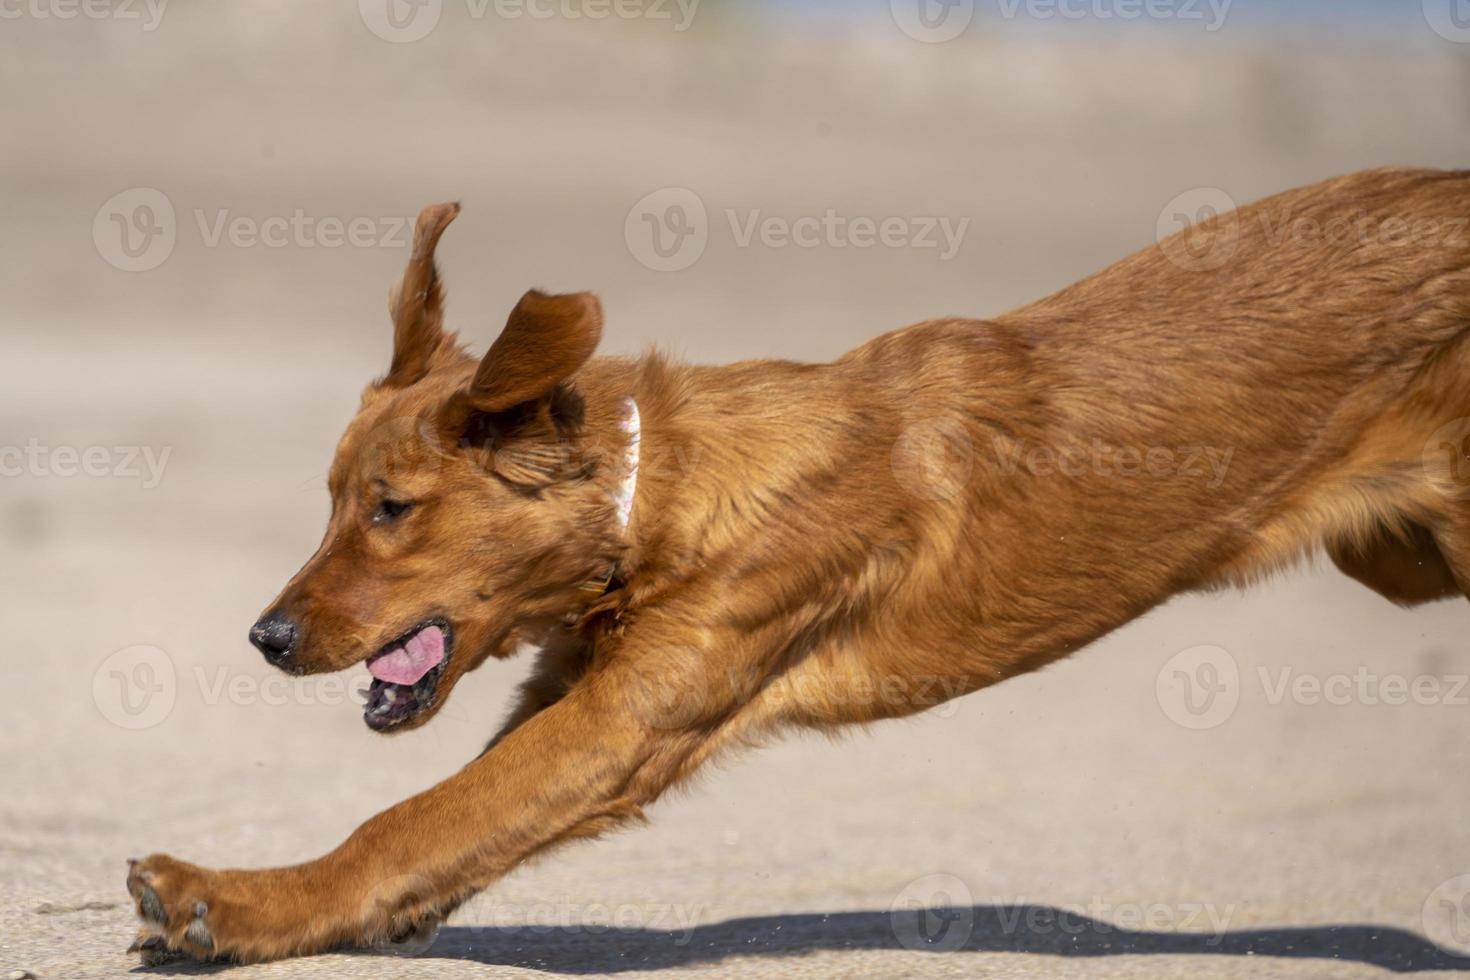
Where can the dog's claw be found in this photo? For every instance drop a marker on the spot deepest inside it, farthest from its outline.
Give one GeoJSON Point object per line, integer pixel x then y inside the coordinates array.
{"type": "Point", "coordinates": [155, 952]}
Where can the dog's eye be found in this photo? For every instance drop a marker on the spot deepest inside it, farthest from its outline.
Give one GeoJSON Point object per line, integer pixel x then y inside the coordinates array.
{"type": "Point", "coordinates": [390, 510]}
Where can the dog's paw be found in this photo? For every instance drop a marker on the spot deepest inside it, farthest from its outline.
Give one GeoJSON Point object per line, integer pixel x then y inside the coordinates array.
{"type": "Point", "coordinates": [173, 900]}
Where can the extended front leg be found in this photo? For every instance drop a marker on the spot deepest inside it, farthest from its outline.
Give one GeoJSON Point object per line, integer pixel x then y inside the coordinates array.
{"type": "Point", "coordinates": [580, 766]}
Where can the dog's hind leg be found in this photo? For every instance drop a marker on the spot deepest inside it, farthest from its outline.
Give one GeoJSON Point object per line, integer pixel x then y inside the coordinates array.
{"type": "Point", "coordinates": [1452, 535]}
{"type": "Point", "coordinates": [1446, 461]}
{"type": "Point", "coordinates": [1407, 570]}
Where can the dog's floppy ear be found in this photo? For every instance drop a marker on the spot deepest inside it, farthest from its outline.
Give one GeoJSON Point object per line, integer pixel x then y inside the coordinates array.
{"type": "Point", "coordinates": [545, 340]}
{"type": "Point", "coordinates": [518, 402]}
{"type": "Point", "coordinates": [417, 302]}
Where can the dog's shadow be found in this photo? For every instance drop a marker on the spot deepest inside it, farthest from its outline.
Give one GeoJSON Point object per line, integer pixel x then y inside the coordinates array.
{"type": "Point", "coordinates": [1034, 929]}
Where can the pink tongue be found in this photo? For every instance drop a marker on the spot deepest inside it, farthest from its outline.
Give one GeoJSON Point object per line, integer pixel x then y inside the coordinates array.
{"type": "Point", "coordinates": [407, 663]}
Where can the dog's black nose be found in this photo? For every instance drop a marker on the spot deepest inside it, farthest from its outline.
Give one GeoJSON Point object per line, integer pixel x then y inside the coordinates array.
{"type": "Point", "coordinates": [274, 635]}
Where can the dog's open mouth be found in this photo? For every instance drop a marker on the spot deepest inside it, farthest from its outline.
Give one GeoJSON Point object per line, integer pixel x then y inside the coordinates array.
{"type": "Point", "coordinates": [406, 675]}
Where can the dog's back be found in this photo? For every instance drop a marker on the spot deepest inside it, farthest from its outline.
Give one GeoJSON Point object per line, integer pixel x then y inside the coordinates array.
{"type": "Point", "coordinates": [1292, 375]}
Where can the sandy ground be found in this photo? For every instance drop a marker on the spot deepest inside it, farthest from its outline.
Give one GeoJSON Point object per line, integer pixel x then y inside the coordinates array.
{"type": "Point", "coordinates": [1083, 822]}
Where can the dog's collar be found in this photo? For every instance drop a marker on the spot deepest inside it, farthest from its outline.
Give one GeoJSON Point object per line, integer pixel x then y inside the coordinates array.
{"type": "Point", "coordinates": [623, 494]}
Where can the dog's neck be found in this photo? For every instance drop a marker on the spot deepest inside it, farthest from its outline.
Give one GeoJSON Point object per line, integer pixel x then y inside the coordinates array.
{"type": "Point", "coordinates": [705, 448]}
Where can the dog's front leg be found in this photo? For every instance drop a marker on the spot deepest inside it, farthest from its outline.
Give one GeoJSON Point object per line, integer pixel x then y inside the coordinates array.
{"type": "Point", "coordinates": [580, 766]}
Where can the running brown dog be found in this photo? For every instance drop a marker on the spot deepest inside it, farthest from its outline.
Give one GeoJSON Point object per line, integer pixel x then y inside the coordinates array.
{"type": "Point", "coordinates": [707, 555]}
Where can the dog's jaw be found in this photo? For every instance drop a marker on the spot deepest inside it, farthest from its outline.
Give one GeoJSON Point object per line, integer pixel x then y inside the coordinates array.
{"type": "Point", "coordinates": [391, 705]}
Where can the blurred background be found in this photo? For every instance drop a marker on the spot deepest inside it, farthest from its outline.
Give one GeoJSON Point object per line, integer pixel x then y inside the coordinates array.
{"type": "Point", "coordinates": [204, 205]}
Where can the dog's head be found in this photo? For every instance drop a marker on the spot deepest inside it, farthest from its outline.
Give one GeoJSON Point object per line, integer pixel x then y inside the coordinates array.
{"type": "Point", "coordinates": [468, 510]}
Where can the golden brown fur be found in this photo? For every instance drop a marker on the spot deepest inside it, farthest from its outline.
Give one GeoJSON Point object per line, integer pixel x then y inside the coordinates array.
{"type": "Point", "coordinates": [948, 505]}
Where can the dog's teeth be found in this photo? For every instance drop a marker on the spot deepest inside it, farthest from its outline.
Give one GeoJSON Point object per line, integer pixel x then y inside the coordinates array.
{"type": "Point", "coordinates": [390, 698]}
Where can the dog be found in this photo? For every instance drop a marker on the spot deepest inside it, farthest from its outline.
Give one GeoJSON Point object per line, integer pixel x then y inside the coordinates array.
{"type": "Point", "coordinates": [704, 556]}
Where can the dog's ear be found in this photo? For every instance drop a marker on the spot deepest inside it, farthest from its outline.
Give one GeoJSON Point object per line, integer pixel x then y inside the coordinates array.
{"type": "Point", "coordinates": [417, 302]}
{"type": "Point", "coordinates": [545, 340]}
{"type": "Point", "coordinates": [519, 399]}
